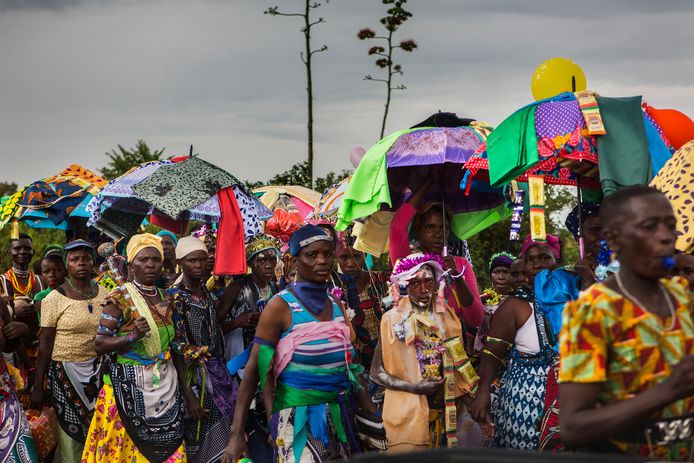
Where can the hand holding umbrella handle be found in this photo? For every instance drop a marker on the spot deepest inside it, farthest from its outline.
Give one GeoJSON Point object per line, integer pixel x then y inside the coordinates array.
{"type": "Point", "coordinates": [107, 251]}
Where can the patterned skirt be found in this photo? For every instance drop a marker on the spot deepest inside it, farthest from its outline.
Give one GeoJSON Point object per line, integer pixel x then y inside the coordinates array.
{"type": "Point", "coordinates": [107, 439]}
{"type": "Point", "coordinates": [16, 443]}
{"type": "Point", "coordinates": [521, 401]}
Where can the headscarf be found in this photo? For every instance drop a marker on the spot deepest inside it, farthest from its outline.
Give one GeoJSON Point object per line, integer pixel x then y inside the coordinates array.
{"type": "Point", "coordinates": [78, 244]}
{"type": "Point", "coordinates": [406, 268]}
{"type": "Point", "coordinates": [306, 235]}
{"type": "Point", "coordinates": [141, 241]}
{"type": "Point", "coordinates": [500, 259]}
{"type": "Point", "coordinates": [261, 243]}
{"type": "Point", "coordinates": [189, 244]}
{"type": "Point", "coordinates": [587, 210]}
{"type": "Point", "coordinates": [552, 243]}
{"type": "Point", "coordinates": [164, 233]}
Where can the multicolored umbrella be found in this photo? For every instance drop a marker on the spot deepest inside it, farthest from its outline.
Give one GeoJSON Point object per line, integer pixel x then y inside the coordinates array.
{"type": "Point", "coordinates": [564, 153]}
{"type": "Point", "coordinates": [180, 186]}
{"type": "Point", "coordinates": [392, 169]}
{"type": "Point", "coordinates": [48, 203]}
{"type": "Point", "coordinates": [330, 202]}
{"type": "Point", "coordinates": [118, 210]}
{"type": "Point", "coordinates": [290, 206]}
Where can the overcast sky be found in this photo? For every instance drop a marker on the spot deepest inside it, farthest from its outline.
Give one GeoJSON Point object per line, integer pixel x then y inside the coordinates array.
{"type": "Point", "coordinates": [79, 77]}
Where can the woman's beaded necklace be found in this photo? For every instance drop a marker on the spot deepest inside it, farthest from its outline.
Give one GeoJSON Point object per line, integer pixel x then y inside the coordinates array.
{"type": "Point", "coordinates": [95, 291]}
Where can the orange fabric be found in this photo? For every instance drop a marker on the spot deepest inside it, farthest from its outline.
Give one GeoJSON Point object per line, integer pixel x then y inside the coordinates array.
{"type": "Point", "coordinates": [406, 415]}
{"type": "Point", "coordinates": [678, 127]}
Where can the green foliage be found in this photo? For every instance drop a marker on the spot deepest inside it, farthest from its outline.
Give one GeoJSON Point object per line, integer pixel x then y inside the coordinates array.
{"type": "Point", "coordinates": [495, 238]}
{"type": "Point", "coordinates": [7, 188]}
{"type": "Point", "coordinates": [40, 237]}
{"type": "Point", "coordinates": [124, 159]}
{"type": "Point", "coordinates": [298, 174]}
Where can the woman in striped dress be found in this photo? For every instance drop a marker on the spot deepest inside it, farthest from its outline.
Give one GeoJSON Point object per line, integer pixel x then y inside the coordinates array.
{"type": "Point", "coordinates": [303, 345]}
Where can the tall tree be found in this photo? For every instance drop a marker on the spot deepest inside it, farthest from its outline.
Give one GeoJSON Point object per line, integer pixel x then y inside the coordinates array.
{"type": "Point", "coordinates": [395, 17]}
{"type": "Point", "coordinates": [306, 58]}
{"type": "Point", "coordinates": [123, 159]}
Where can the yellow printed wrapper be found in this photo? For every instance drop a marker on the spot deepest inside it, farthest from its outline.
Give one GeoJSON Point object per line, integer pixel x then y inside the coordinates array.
{"type": "Point", "coordinates": [451, 418]}
{"type": "Point", "coordinates": [538, 232]}
{"type": "Point", "coordinates": [536, 187]}
{"type": "Point", "coordinates": [455, 348]}
{"type": "Point", "coordinates": [470, 378]}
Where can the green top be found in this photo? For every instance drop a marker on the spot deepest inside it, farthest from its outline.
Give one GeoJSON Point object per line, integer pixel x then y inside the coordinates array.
{"type": "Point", "coordinates": [41, 295]}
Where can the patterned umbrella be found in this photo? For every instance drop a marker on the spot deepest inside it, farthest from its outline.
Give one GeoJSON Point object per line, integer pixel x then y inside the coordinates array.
{"type": "Point", "coordinates": [330, 202]}
{"type": "Point", "coordinates": [118, 210]}
{"type": "Point", "coordinates": [392, 169]}
{"type": "Point", "coordinates": [177, 187]}
{"type": "Point", "coordinates": [47, 203]}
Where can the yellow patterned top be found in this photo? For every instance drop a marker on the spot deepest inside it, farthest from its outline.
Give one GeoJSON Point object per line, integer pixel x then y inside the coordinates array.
{"type": "Point", "coordinates": [75, 326]}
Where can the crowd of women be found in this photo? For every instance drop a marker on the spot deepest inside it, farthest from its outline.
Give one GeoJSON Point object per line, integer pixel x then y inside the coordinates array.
{"type": "Point", "coordinates": [312, 356]}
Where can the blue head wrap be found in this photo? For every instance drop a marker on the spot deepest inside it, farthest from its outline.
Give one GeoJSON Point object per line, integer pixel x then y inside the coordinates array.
{"type": "Point", "coordinates": [308, 234]}
{"type": "Point", "coordinates": [169, 234]}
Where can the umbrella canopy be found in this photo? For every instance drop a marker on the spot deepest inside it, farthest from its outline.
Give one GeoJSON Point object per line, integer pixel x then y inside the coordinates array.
{"type": "Point", "coordinates": [676, 181]}
{"type": "Point", "coordinates": [118, 210]}
{"type": "Point", "coordinates": [392, 169]}
{"type": "Point", "coordinates": [330, 202]}
{"type": "Point", "coordinates": [290, 205]}
{"type": "Point", "coordinates": [551, 138]}
{"type": "Point", "coordinates": [177, 187]}
{"type": "Point", "coordinates": [52, 200]}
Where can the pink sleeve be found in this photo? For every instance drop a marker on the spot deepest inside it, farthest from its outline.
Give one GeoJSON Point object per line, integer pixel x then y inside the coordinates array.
{"type": "Point", "coordinates": [399, 245]}
{"type": "Point", "coordinates": [473, 313]}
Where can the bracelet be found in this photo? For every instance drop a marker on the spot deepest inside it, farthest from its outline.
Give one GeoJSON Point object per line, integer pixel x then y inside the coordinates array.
{"type": "Point", "coordinates": [500, 341]}
{"type": "Point", "coordinates": [488, 352]}
{"type": "Point", "coordinates": [131, 337]}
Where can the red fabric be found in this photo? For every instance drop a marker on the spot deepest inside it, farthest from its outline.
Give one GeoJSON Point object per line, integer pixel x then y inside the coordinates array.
{"type": "Point", "coordinates": [230, 254]}
{"type": "Point", "coordinates": [177, 227]}
{"type": "Point", "coordinates": [550, 440]}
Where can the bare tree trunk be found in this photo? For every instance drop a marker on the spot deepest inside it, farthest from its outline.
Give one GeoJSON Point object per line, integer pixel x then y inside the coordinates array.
{"type": "Point", "coordinates": [309, 89]}
{"type": "Point", "coordinates": [389, 82]}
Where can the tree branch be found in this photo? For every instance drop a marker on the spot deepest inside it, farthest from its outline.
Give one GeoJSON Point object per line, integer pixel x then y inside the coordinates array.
{"type": "Point", "coordinates": [318, 21]}
{"type": "Point", "coordinates": [375, 80]}
{"type": "Point", "coordinates": [319, 50]}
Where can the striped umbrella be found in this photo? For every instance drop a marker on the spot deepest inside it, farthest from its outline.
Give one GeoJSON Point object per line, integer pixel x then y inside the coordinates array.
{"type": "Point", "coordinates": [330, 202]}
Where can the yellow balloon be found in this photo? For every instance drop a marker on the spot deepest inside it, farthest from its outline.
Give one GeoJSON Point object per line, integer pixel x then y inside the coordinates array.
{"type": "Point", "coordinates": [555, 76]}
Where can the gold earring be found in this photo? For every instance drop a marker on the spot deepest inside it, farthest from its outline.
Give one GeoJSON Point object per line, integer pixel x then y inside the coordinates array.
{"type": "Point", "coordinates": [294, 279]}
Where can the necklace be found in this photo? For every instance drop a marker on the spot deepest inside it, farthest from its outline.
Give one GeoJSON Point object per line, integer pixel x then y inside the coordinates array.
{"type": "Point", "coordinates": [149, 291]}
{"type": "Point", "coordinates": [95, 291]}
{"type": "Point", "coordinates": [18, 288]}
{"type": "Point", "coordinates": [268, 291]}
{"type": "Point", "coordinates": [673, 315]}
{"type": "Point", "coordinates": [20, 273]}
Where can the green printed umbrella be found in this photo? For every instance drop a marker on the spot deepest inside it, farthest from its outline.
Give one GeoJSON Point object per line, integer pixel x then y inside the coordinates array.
{"type": "Point", "coordinates": [177, 187]}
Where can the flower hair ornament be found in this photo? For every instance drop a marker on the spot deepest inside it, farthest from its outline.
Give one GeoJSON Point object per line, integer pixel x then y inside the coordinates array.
{"type": "Point", "coordinates": [406, 269]}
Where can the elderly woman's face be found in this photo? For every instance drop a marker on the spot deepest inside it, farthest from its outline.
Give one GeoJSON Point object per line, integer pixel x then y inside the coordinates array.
{"type": "Point", "coordinates": [315, 262]}
{"type": "Point", "coordinates": [422, 286]}
{"type": "Point", "coordinates": [146, 266]}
